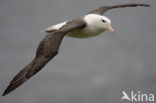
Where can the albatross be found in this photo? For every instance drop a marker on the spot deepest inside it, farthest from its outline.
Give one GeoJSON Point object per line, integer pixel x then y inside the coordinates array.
{"type": "Point", "coordinates": [89, 25]}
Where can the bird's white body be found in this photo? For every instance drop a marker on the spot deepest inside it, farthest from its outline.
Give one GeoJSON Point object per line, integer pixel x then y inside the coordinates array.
{"type": "Point", "coordinates": [94, 27]}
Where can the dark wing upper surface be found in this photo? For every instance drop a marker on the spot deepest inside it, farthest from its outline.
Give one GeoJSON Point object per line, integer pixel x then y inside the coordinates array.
{"type": "Point", "coordinates": [46, 50]}
{"type": "Point", "coordinates": [103, 9]}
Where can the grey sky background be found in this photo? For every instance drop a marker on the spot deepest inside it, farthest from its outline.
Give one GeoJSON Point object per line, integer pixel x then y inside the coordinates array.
{"type": "Point", "coordinates": [93, 70]}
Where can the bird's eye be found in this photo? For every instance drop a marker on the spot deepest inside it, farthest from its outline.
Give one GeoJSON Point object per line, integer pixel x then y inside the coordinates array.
{"type": "Point", "coordinates": [103, 20]}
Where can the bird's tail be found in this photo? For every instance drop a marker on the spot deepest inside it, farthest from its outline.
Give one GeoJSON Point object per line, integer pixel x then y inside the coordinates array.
{"type": "Point", "coordinates": [26, 73]}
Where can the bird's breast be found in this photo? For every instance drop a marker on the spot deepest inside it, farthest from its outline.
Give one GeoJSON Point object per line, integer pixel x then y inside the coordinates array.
{"type": "Point", "coordinates": [85, 32]}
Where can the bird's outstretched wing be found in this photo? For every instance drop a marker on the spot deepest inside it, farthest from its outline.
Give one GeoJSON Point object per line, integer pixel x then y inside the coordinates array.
{"type": "Point", "coordinates": [46, 50]}
{"type": "Point", "coordinates": [103, 9]}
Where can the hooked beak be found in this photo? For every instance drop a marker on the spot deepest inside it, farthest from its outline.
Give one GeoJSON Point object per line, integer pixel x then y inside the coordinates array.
{"type": "Point", "coordinates": [108, 27]}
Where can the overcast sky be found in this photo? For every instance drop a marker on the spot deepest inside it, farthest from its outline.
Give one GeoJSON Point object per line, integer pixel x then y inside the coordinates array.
{"type": "Point", "coordinates": [92, 70]}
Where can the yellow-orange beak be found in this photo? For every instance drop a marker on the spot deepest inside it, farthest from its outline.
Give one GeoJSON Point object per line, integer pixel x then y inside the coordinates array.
{"type": "Point", "coordinates": [108, 27]}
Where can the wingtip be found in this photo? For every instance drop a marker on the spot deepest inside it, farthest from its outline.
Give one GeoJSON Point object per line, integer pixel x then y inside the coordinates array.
{"type": "Point", "coordinates": [5, 93]}
{"type": "Point", "coordinates": [146, 5]}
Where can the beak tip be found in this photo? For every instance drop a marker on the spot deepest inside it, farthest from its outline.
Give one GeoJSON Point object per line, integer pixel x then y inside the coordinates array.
{"type": "Point", "coordinates": [113, 31]}
{"type": "Point", "coordinates": [110, 29]}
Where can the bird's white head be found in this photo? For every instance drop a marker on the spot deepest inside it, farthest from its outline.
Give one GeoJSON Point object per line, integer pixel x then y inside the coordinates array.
{"type": "Point", "coordinates": [98, 22]}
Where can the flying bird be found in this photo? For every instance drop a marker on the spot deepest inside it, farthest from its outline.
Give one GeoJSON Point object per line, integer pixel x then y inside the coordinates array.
{"type": "Point", "coordinates": [89, 25]}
